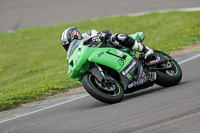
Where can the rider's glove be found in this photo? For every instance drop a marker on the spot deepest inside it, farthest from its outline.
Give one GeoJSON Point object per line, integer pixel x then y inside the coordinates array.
{"type": "Point", "coordinates": [93, 41]}
{"type": "Point", "coordinates": [105, 35]}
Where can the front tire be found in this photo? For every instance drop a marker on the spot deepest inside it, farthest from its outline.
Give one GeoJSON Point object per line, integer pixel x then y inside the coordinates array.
{"type": "Point", "coordinates": [94, 88]}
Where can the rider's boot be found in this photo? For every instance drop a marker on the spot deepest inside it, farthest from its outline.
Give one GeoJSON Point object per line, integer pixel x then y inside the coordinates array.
{"type": "Point", "coordinates": [142, 48]}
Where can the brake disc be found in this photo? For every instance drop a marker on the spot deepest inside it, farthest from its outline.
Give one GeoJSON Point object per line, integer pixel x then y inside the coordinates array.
{"type": "Point", "coordinates": [167, 65]}
{"type": "Point", "coordinates": [110, 87]}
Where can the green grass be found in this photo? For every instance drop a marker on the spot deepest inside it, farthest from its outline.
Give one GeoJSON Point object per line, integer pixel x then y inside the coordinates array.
{"type": "Point", "coordinates": [33, 63]}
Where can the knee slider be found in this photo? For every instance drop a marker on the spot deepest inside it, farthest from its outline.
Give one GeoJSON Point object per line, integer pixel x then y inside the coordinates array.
{"type": "Point", "coordinates": [122, 37]}
{"type": "Point", "coordinates": [118, 38]}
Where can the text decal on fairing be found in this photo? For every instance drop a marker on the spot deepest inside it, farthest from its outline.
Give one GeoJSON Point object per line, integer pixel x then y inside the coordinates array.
{"type": "Point", "coordinates": [129, 68]}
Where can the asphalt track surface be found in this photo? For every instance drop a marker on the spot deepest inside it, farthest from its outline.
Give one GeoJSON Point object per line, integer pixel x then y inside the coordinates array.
{"type": "Point", "coordinates": [20, 14]}
{"type": "Point", "coordinates": [155, 110]}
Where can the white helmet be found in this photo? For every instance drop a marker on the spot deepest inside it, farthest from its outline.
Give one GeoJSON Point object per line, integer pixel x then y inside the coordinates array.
{"type": "Point", "coordinates": [69, 35]}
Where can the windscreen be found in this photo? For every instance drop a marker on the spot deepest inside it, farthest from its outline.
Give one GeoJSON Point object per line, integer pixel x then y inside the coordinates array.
{"type": "Point", "coordinates": [74, 44]}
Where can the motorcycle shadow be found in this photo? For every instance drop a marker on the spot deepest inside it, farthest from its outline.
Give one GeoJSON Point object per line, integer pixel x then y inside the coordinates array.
{"type": "Point", "coordinates": [147, 91]}
{"type": "Point", "coordinates": [94, 104]}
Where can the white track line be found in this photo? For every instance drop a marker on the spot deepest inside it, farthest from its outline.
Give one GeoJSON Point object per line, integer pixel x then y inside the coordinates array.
{"type": "Point", "coordinates": [165, 10]}
{"type": "Point", "coordinates": [44, 108]}
{"type": "Point", "coordinates": [142, 13]}
{"type": "Point", "coordinates": [191, 58]}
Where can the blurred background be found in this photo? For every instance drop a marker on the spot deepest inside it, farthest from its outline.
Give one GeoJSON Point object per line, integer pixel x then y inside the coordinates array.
{"type": "Point", "coordinates": [20, 14]}
{"type": "Point", "coordinates": [32, 60]}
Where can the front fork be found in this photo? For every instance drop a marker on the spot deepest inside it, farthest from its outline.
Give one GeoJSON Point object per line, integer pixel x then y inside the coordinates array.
{"type": "Point", "coordinates": [100, 75]}
{"type": "Point", "coordinates": [103, 81]}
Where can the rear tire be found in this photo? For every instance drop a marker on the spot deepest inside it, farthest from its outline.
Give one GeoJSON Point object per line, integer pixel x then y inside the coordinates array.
{"type": "Point", "coordinates": [169, 77]}
{"type": "Point", "coordinates": [90, 84]}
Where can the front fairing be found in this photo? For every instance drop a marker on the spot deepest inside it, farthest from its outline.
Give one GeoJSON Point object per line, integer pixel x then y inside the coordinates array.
{"type": "Point", "coordinates": [81, 56]}
{"type": "Point", "coordinates": [77, 59]}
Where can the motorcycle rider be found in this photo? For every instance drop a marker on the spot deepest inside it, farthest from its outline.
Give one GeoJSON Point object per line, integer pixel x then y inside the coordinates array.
{"type": "Point", "coordinates": [117, 39]}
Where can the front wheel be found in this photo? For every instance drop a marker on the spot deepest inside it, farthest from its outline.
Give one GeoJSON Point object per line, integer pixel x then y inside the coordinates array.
{"type": "Point", "coordinates": [111, 93]}
{"type": "Point", "coordinates": [170, 76]}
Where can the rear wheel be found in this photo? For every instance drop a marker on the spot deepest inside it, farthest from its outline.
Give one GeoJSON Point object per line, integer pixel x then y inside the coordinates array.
{"type": "Point", "coordinates": [170, 76]}
{"type": "Point", "coordinates": [111, 93]}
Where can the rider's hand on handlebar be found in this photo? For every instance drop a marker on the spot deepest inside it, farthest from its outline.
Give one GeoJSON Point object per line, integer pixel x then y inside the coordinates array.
{"type": "Point", "coordinates": [93, 41]}
{"type": "Point", "coordinates": [105, 35]}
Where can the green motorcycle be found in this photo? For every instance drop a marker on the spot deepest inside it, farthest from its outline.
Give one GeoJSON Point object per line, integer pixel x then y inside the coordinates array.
{"type": "Point", "coordinates": [108, 73]}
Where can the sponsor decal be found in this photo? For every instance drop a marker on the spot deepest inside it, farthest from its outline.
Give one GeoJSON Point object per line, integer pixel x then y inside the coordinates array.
{"type": "Point", "coordinates": [100, 54]}
{"type": "Point", "coordinates": [154, 61]}
{"type": "Point", "coordinates": [121, 62]}
{"type": "Point", "coordinates": [129, 76]}
{"type": "Point", "coordinates": [119, 52]}
{"type": "Point", "coordinates": [132, 70]}
{"type": "Point", "coordinates": [135, 83]}
{"type": "Point", "coordinates": [132, 84]}
{"type": "Point", "coordinates": [129, 68]}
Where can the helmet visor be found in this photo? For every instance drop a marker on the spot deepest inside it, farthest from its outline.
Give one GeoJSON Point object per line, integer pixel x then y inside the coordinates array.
{"type": "Point", "coordinates": [76, 35]}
